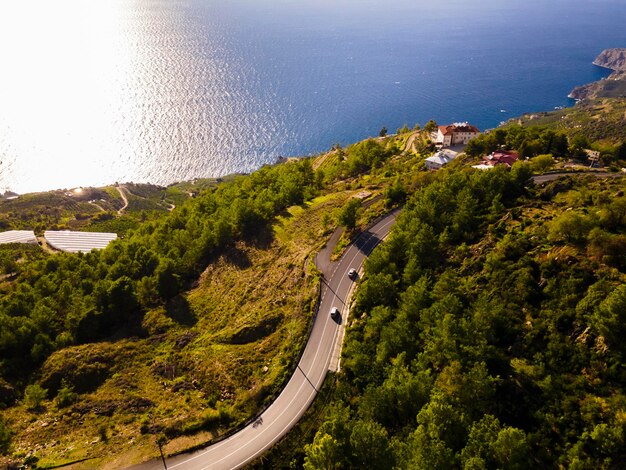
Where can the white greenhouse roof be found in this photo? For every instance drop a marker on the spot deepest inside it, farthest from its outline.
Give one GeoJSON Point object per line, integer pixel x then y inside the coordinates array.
{"type": "Point", "coordinates": [439, 159]}
{"type": "Point", "coordinates": [74, 242]}
{"type": "Point", "coordinates": [18, 236]}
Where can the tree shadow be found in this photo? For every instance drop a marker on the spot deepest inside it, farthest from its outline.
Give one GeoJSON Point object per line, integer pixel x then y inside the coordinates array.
{"type": "Point", "coordinates": [179, 310]}
{"type": "Point", "coordinates": [236, 257]}
{"type": "Point", "coordinates": [262, 237]}
{"type": "Point", "coordinates": [366, 242]}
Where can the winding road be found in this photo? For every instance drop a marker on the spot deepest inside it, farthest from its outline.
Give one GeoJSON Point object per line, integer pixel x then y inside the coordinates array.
{"type": "Point", "coordinates": [320, 355]}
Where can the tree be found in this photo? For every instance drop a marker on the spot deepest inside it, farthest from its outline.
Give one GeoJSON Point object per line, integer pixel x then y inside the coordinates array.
{"type": "Point", "coordinates": [323, 454]}
{"type": "Point", "coordinates": [578, 144]}
{"type": "Point", "coordinates": [395, 194]}
{"type": "Point", "coordinates": [496, 447]}
{"type": "Point", "coordinates": [370, 446]}
{"type": "Point", "coordinates": [383, 132]}
{"type": "Point", "coordinates": [364, 156]}
{"type": "Point", "coordinates": [431, 126]}
{"type": "Point", "coordinates": [349, 213]}
{"type": "Point", "coordinates": [609, 319]}
{"type": "Point", "coordinates": [570, 226]}
{"type": "Point", "coordinates": [66, 395]}
{"type": "Point", "coordinates": [425, 452]}
{"type": "Point", "coordinates": [559, 145]}
{"type": "Point", "coordinates": [542, 163]}
{"type": "Point", "coordinates": [403, 130]}
{"type": "Point", "coordinates": [34, 395]}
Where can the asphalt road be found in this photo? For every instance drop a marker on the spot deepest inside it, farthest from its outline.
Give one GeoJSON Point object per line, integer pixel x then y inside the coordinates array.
{"type": "Point", "coordinates": [323, 345]}
{"type": "Point", "coordinates": [540, 179]}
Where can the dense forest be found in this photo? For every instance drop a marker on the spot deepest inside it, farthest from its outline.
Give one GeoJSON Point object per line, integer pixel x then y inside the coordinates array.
{"type": "Point", "coordinates": [488, 332]}
{"type": "Point", "coordinates": [71, 299]}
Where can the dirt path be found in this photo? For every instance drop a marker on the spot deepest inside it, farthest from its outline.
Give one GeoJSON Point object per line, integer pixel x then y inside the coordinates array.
{"type": "Point", "coordinates": [121, 189]}
{"type": "Point", "coordinates": [408, 147]}
{"type": "Point", "coordinates": [45, 247]}
{"type": "Point", "coordinates": [98, 206]}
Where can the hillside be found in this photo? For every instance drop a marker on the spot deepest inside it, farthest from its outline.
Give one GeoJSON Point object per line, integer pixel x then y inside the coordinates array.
{"type": "Point", "coordinates": [614, 86]}
{"type": "Point", "coordinates": [184, 329]}
{"type": "Point", "coordinates": [602, 121]}
{"type": "Point", "coordinates": [487, 332]}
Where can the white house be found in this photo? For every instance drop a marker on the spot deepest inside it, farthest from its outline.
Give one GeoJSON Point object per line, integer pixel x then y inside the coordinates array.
{"type": "Point", "coordinates": [441, 158]}
{"type": "Point", "coordinates": [455, 134]}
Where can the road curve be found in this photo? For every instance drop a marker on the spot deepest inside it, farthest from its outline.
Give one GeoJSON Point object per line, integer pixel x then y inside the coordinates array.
{"type": "Point", "coordinates": [249, 443]}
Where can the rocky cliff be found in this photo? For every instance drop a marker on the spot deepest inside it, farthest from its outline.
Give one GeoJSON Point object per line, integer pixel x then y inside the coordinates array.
{"type": "Point", "coordinates": [614, 86]}
{"type": "Point", "coordinates": [614, 59]}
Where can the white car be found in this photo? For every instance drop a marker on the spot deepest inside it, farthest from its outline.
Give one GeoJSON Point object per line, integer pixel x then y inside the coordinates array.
{"type": "Point", "coordinates": [352, 273]}
{"type": "Point", "coordinates": [334, 313]}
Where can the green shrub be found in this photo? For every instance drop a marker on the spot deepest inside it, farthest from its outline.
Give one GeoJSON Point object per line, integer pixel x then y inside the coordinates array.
{"type": "Point", "coordinates": [66, 395]}
{"type": "Point", "coordinates": [34, 395]}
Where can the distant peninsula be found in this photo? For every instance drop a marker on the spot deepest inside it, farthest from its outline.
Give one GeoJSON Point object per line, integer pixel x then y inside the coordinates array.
{"type": "Point", "coordinates": [614, 86]}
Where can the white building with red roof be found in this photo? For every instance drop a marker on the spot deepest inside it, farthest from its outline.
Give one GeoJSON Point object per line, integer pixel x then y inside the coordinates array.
{"type": "Point", "coordinates": [459, 133]}
{"type": "Point", "coordinates": [499, 157]}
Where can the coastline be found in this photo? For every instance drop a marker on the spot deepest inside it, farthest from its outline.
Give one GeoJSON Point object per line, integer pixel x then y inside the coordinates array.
{"type": "Point", "coordinates": [613, 86]}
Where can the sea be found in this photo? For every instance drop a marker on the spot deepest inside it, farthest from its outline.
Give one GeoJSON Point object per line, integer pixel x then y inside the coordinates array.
{"type": "Point", "coordinates": [159, 91]}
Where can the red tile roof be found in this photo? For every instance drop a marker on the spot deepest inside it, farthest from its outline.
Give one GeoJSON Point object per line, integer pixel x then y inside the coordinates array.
{"type": "Point", "coordinates": [501, 157]}
{"type": "Point", "coordinates": [458, 127]}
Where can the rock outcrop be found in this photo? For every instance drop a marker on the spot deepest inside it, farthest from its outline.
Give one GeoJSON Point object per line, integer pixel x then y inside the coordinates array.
{"type": "Point", "coordinates": [614, 86]}
{"type": "Point", "coordinates": [614, 59]}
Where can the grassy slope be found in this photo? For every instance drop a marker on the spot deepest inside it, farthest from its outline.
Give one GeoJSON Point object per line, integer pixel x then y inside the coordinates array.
{"type": "Point", "coordinates": [95, 209]}
{"type": "Point", "coordinates": [602, 120]}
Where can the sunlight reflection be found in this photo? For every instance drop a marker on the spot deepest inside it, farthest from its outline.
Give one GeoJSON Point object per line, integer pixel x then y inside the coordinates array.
{"type": "Point", "coordinates": [59, 88]}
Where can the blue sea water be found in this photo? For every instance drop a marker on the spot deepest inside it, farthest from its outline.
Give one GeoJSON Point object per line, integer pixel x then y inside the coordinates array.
{"type": "Point", "coordinates": [167, 90]}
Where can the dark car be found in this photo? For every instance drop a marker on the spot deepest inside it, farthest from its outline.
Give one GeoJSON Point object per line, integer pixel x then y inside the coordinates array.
{"type": "Point", "coordinates": [334, 313]}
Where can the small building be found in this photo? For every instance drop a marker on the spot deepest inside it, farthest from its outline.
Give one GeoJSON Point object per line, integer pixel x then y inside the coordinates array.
{"type": "Point", "coordinates": [75, 242]}
{"type": "Point", "coordinates": [593, 156]}
{"type": "Point", "coordinates": [18, 236]}
{"type": "Point", "coordinates": [441, 158]}
{"type": "Point", "coordinates": [459, 133]}
{"type": "Point", "coordinates": [499, 157]}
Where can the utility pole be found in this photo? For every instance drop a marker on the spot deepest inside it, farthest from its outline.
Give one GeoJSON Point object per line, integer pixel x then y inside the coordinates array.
{"type": "Point", "coordinates": [160, 441]}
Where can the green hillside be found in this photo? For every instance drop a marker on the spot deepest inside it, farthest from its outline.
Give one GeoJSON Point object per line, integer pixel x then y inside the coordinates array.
{"type": "Point", "coordinates": [488, 332]}
{"type": "Point", "coordinates": [185, 327]}
{"type": "Point", "coordinates": [601, 120]}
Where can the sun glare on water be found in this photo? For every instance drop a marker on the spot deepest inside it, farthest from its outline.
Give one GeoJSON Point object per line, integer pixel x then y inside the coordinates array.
{"type": "Point", "coordinates": [57, 92]}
